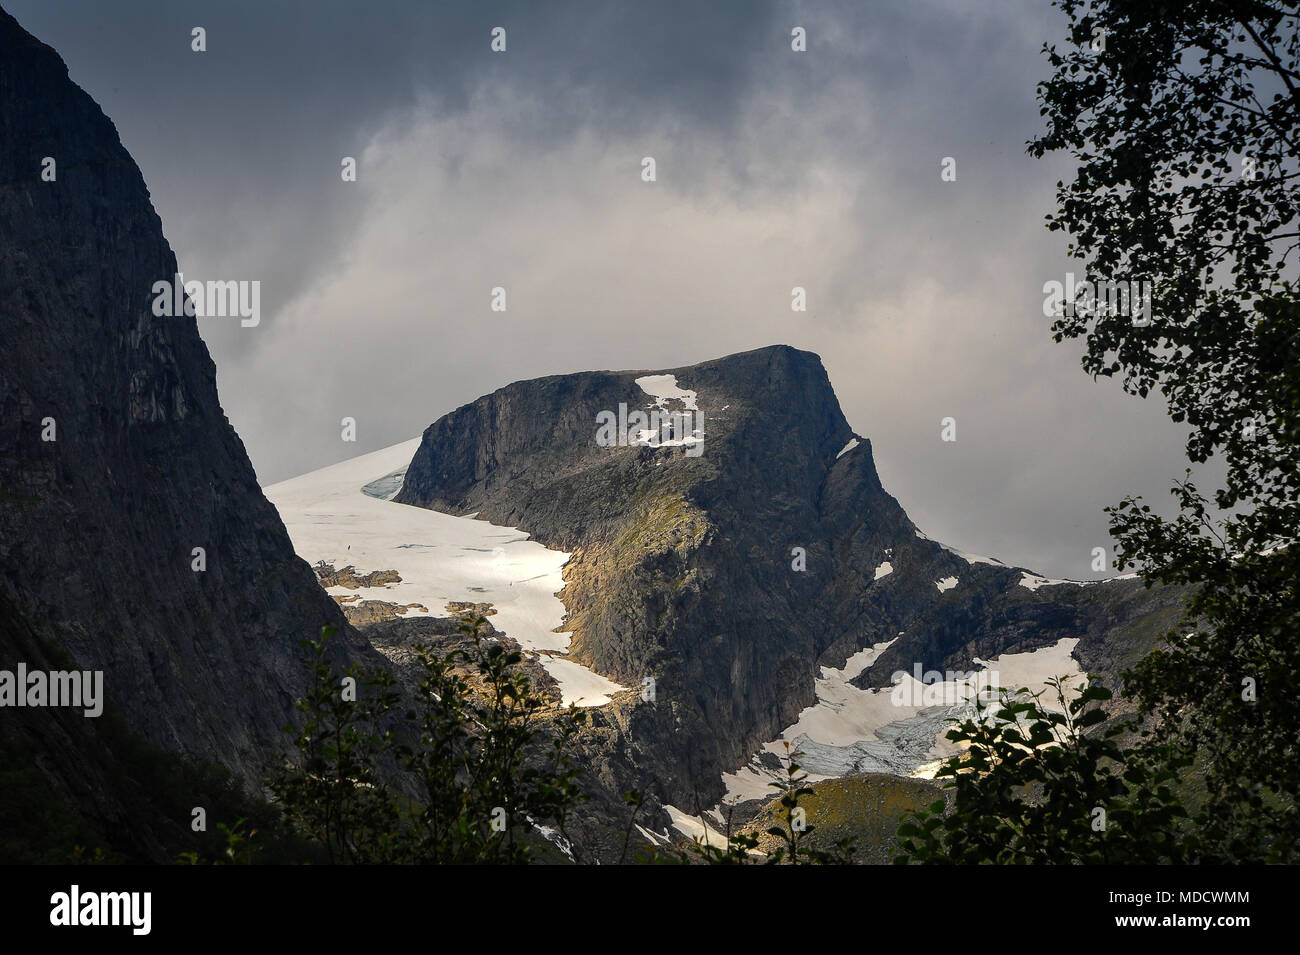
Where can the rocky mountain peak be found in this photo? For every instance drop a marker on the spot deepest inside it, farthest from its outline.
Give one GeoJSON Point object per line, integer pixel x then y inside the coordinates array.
{"type": "Point", "coordinates": [728, 570]}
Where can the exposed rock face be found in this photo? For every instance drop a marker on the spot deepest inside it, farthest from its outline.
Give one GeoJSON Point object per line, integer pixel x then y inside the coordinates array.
{"type": "Point", "coordinates": [348, 577]}
{"type": "Point", "coordinates": [398, 640]}
{"type": "Point", "coordinates": [98, 527]}
{"type": "Point", "coordinates": [363, 612]}
{"type": "Point", "coordinates": [684, 568]}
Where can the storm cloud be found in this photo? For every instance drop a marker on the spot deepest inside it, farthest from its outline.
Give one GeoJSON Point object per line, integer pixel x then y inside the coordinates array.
{"type": "Point", "coordinates": [522, 170]}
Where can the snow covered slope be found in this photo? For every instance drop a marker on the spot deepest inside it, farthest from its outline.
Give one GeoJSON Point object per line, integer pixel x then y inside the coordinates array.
{"type": "Point", "coordinates": [341, 515]}
{"type": "Point", "coordinates": [849, 730]}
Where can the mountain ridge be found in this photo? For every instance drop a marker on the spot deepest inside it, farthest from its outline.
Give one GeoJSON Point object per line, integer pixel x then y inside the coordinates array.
{"type": "Point", "coordinates": [730, 578]}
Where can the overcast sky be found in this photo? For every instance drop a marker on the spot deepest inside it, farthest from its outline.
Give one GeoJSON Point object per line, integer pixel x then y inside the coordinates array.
{"type": "Point", "coordinates": [522, 169]}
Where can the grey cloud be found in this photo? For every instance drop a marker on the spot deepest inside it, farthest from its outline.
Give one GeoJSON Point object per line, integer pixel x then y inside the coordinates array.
{"type": "Point", "coordinates": [820, 169]}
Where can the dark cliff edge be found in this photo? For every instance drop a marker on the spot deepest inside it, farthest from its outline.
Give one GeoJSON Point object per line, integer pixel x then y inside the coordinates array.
{"type": "Point", "coordinates": [683, 567]}
{"type": "Point", "coordinates": [98, 526]}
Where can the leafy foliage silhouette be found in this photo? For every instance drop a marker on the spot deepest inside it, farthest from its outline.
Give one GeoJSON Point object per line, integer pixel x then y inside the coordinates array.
{"type": "Point", "coordinates": [1032, 786]}
{"type": "Point", "coordinates": [471, 744]}
{"type": "Point", "coordinates": [1183, 127]}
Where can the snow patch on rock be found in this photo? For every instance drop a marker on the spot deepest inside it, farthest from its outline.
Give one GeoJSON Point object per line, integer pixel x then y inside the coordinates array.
{"type": "Point", "coordinates": [1034, 581]}
{"type": "Point", "coordinates": [664, 388]}
{"type": "Point", "coordinates": [693, 827]}
{"type": "Point", "coordinates": [849, 730]}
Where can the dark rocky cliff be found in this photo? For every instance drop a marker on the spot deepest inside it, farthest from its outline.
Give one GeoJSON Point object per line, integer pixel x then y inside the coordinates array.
{"type": "Point", "coordinates": [682, 566]}
{"type": "Point", "coordinates": [97, 527]}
